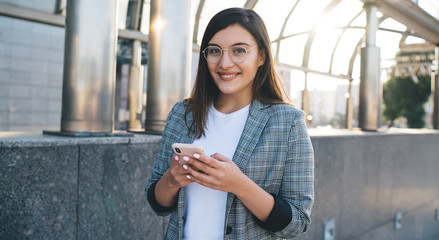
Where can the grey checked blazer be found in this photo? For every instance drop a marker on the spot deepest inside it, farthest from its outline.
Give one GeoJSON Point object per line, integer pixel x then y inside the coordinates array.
{"type": "Point", "coordinates": [274, 151]}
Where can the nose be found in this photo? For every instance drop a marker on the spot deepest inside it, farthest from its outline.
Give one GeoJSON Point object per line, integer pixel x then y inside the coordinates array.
{"type": "Point", "coordinates": [226, 61]}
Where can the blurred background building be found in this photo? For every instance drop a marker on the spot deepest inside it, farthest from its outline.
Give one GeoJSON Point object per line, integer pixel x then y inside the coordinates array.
{"type": "Point", "coordinates": [105, 73]}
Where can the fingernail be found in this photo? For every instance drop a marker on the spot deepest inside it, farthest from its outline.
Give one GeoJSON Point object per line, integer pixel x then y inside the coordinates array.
{"type": "Point", "coordinates": [196, 155]}
{"type": "Point", "coordinates": [185, 158]}
{"type": "Point", "coordinates": [185, 167]}
{"type": "Point", "coordinates": [188, 177]}
{"type": "Point", "coordinates": [176, 158]}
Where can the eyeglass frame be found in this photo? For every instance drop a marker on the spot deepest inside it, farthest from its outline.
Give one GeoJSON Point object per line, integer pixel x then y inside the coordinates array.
{"type": "Point", "coordinates": [222, 53]}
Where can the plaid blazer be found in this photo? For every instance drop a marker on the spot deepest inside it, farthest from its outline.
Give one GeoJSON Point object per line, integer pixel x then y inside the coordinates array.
{"type": "Point", "coordinates": [274, 150]}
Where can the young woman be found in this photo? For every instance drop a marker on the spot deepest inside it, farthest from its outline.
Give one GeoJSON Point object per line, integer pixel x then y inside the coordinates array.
{"type": "Point", "coordinates": [255, 179]}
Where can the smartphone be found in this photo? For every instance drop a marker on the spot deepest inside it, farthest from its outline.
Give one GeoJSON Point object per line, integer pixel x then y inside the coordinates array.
{"type": "Point", "coordinates": [184, 149]}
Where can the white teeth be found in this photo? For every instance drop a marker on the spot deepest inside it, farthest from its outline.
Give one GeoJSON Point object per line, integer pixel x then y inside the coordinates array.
{"type": "Point", "coordinates": [228, 76]}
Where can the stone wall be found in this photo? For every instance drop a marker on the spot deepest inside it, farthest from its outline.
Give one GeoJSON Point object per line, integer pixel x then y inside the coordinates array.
{"type": "Point", "coordinates": [93, 188]}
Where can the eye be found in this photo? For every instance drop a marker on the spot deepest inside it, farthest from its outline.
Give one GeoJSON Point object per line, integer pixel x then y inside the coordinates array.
{"type": "Point", "coordinates": [214, 51]}
{"type": "Point", "coordinates": [239, 50]}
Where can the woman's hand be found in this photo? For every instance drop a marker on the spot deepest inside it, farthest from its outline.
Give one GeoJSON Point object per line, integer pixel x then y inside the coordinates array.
{"type": "Point", "coordinates": [168, 186]}
{"type": "Point", "coordinates": [178, 176]}
{"type": "Point", "coordinates": [221, 173]}
{"type": "Point", "coordinates": [216, 172]}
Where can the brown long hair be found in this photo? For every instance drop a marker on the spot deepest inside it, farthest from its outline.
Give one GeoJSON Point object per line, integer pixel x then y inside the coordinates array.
{"type": "Point", "coordinates": [267, 87]}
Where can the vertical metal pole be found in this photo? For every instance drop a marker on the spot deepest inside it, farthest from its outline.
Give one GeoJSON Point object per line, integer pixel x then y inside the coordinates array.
{"type": "Point", "coordinates": [89, 66]}
{"type": "Point", "coordinates": [349, 107]}
{"type": "Point", "coordinates": [61, 7]}
{"type": "Point", "coordinates": [135, 83]}
{"type": "Point", "coordinates": [169, 59]}
{"type": "Point", "coordinates": [305, 99]}
{"type": "Point", "coordinates": [435, 90]}
{"type": "Point", "coordinates": [135, 89]}
{"type": "Point", "coordinates": [370, 85]}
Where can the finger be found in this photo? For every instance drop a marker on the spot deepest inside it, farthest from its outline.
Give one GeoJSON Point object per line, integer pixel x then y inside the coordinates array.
{"type": "Point", "coordinates": [184, 180]}
{"type": "Point", "coordinates": [183, 160]}
{"type": "Point", "coordinates": [177, 169]}
{"type": "Point", "coordinates": [205, 180]}
{"type": "Point", "coordinates": [199, 177]}
{"type": "Point", "coordinates": [187, 160]}
{"type": "Point", "coordinates": [207, 160]}
{"type": "Point", "coordinates": [221, 157]}
{"type": "Point", "coordinates": [190, 161]}
{"type": "Point", "coordinates": [190, 178]}
{"type": "Point", "coordinates": [175, 160]}
{"type": "Point", "coordinates": [201, 166]}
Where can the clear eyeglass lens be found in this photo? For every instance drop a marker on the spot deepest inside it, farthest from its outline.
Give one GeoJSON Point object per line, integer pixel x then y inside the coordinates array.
{"type": "Point", "coordinates": [238, 54]}
{"type": "Point", "coordinates": [213, 54]}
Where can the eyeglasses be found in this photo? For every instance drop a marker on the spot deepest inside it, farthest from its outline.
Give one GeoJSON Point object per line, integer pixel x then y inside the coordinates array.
{"type": "Point", "coordinates": [237, 54]}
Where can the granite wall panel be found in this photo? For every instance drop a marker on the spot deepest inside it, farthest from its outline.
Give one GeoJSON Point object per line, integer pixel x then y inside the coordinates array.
{"type": "Point", "coordinates": [67, 188]}
{"type": "Point", "coordinates": [111, 200]}
{"type": "Point", "coordinates": [361, 181]}
{"type": "Point", "coordinates": [38, 192]}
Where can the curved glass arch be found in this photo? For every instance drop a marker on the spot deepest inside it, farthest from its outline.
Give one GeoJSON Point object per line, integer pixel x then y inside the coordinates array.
{"type": "Point", "coordinates": [210, 8]}
{"type": "Point", "coordinates": [413, 40]}
{"type": "Point", "coordinates": [390, 23]}
{"type": "Point", "coordinates": [304, 16]}
{"type": "Point", "coordinates": [343, 53]}
{"type": "Point", "coordinates": [291, 50]}
{"type": "Point", "coordinates": [341, 15]}
{"type": "Point", "coordinates": [389, 47]}
{"type": "Point", "coordinates": [274, 15]}
{"type": "Point", "coordinates": [323, 46]}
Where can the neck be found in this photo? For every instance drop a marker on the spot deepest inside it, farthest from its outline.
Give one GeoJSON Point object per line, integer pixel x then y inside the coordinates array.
{"type": "Point", "coordinates": [231, 103]}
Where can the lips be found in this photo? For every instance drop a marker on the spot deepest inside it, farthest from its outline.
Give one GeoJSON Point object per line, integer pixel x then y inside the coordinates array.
{"type": "Point", "coordinates": [228, 76]}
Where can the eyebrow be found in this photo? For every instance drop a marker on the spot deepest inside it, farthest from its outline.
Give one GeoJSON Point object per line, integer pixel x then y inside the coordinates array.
{"type": "Point", "coordinates": [235, 44]}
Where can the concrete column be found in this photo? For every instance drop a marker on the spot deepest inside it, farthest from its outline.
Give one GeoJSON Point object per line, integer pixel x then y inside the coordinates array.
{"type": "Point", "coordinates": [89, 66]}
{"type": "Point", "coordinates": [169, 59]}
{"type": "Point", "coordinates": [435, 90]}
{"type": "Point", "coordinates": [370, 85]}
{"type": "Point", "coordinates": [135, 89]}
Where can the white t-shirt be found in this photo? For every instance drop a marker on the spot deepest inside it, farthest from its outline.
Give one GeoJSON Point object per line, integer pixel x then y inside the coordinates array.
{"type": "Point", "coordinates": [205, 208]}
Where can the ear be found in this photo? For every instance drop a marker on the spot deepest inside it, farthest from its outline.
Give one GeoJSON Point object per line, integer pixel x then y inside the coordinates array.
{"type": "Point", "coordinates": [261, 59]}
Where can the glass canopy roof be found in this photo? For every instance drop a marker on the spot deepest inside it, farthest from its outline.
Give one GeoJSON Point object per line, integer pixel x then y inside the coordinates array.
{"type": "Point", "coordinates": [315, 42]}
{"type": "Point", "coordinates": [318, 35]}
{"type": "Point", "coordinates": [318, 40]}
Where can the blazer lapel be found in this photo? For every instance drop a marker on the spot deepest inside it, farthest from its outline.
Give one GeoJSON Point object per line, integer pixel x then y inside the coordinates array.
{"type": "Point", "coordinates": [185, 137]}
{"type": "Point", "coordinates": [250, 135]}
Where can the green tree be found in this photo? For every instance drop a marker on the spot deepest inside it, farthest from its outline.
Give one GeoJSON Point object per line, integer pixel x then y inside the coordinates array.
{"type": "Point", "coordinates": [402, 97]}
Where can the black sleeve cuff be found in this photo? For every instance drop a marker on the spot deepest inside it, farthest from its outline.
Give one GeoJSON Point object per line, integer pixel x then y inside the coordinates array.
{"type": "Point", "coordinates": [280, 216]}
{"type": "Point", "coordinates": [153, 201]}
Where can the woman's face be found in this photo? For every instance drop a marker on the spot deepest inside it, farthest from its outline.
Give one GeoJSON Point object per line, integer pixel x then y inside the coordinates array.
{"type": "Point", "coordinates": [234, 76]}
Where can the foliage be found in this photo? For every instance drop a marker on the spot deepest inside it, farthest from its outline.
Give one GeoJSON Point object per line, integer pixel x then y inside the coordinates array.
{"type": "Point", "coordinates": [402, 97]}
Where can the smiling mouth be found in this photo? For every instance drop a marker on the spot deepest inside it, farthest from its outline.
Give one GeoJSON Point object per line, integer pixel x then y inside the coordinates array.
{"type": "Point", "coordinates": [228, 76]}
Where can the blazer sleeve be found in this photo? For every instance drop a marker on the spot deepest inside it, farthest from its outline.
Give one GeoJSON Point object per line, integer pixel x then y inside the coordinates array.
{"type": "Point", "coordinates": [297, 187]}
{"type": "Point", "coordinates": [162, 163]}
